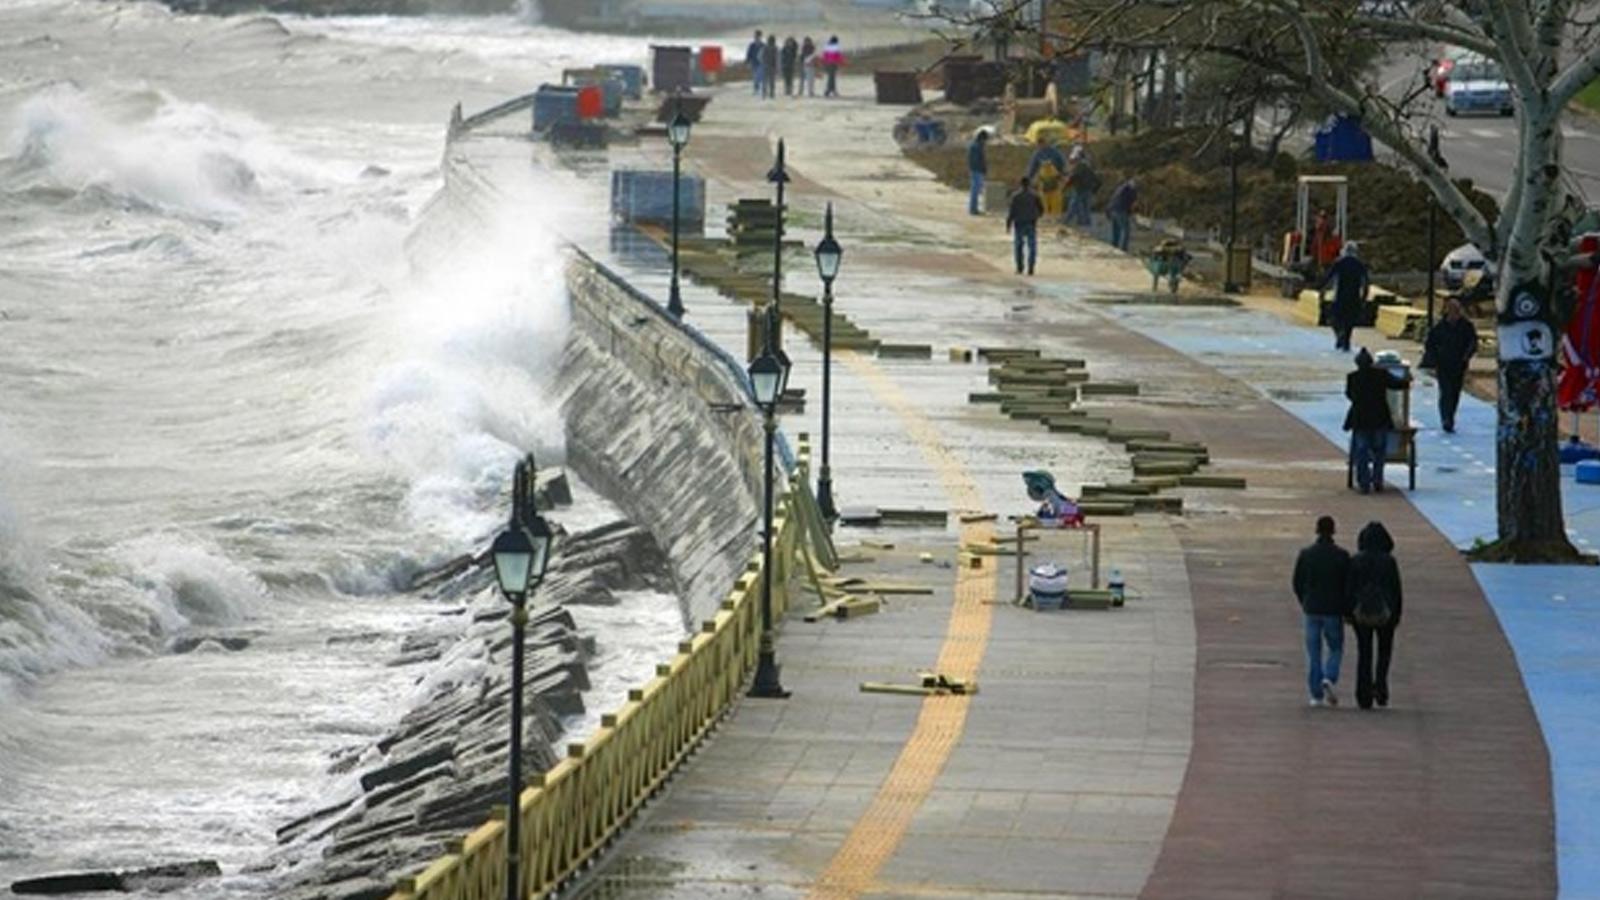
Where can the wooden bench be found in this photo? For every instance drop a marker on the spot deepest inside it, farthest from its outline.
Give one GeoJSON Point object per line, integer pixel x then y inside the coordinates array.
{"type": "Point", "coordinates": [1401, 321]}
{"type": "Point", "coordinates": [1308, 308]}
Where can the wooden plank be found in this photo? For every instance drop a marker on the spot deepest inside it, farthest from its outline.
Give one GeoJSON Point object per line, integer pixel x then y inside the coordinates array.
{"type": "Point", "coordinates": [1236, 482]}
{"type": "Point", "coordinates": [1108, 389]}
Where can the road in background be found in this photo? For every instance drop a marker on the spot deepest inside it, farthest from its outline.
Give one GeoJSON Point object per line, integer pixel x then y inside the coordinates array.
{"type": "Point", "coordinates": [1484, 148]}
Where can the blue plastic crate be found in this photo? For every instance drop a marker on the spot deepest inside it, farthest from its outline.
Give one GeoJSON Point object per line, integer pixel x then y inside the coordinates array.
{"type": "Point", "coordinates": [1588, 471]}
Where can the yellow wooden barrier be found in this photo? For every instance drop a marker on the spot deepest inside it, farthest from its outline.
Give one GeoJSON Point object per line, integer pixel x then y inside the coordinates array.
{"type": "Point", "coordinates": [1401, 321]}
{"type": "Point", "coordinates": [1308, 307]}
{"type": "Point", "coordinates": [569, 812]}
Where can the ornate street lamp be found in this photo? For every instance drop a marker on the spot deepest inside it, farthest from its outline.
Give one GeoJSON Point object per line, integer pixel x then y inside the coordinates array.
{"type": "Point", "coordinates": [678, 136]}
{"type": "Point", "coordinates": [779, 176]}
{"type": "Point", "coordinates": [829, 255]}
{"type": "Point", "coordinates": [521, 555]}
{"type": "Point", "coordinates": [769, 376]}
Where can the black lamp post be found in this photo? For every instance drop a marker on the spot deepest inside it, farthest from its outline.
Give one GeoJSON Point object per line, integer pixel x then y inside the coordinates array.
{"type": "Point", "coordinates": [678, 136]}
{"type": "Point", "coordinates": [829, 255]}
{"type": "Point", "coordinates": [779, 176]}
{"type": "Point", "coordinates": [1231, 282]}
{"type": "Point", "coordinates": [769, 375]}
{"type": "Point", "coordinates": [1433, 217]}
{"type": "Point", "coordinates": [521, 555]}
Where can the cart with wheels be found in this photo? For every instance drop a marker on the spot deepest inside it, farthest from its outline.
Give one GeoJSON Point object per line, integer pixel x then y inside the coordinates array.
{"type": "Point", "coordinates": [1168, 261]}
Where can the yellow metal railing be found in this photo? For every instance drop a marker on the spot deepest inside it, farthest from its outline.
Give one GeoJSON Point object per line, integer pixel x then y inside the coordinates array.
{"type": "Point", "coordinates": [570, 811]}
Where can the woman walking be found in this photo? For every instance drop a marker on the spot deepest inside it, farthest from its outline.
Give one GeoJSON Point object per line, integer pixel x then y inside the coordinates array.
{"type": "Point", "coordinates": [832, 58]}
{"type": "Point", "coordinates": [1375, 605]}
{"type": "Point", "coordinates": [808, 67]}
{"type": "Point", "coordinates": [788, 58]}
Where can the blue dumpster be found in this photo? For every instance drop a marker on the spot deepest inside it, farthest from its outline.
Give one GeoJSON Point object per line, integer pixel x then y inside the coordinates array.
{"type": "Point", "coordinates": [641, 196]}
{"type": "Point", "coordinates": [632, 78]}
{"type": "Point", "coordinates": [554, 104]}
{"type": "Point", "coordinates": [1342, 139]}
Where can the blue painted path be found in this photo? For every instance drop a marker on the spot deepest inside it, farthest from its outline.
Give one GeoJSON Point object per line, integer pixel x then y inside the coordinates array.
{"type": "Point", "coordinates": [1550, 614]}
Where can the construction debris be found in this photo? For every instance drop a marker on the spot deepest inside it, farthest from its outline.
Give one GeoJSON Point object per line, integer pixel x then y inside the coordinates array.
{"type": "Point", "coordinates": [931, 684]}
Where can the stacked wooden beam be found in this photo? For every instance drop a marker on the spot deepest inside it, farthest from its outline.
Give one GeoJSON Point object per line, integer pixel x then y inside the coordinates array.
{"type": "Point", "coordinates": [1032, 387]}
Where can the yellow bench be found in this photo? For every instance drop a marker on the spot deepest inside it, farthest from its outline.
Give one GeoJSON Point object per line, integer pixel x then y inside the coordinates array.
{"type": "Point", "coordinates": [1401, 321]}
{"type": "Point", "coordinates": [1308, 308]}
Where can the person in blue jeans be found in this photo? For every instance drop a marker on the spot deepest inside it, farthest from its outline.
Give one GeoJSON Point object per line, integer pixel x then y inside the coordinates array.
{"type": "Point", "coordinates": [752, 58]}
{"type": "Point", "coordinates": [1369, 420]}
{"type": "Point", "coordinates": [1022, 220]}
{"type": "Point", "coordinates": [1320, 576]}
{"type": "Point", "coordinates": [977, 168]}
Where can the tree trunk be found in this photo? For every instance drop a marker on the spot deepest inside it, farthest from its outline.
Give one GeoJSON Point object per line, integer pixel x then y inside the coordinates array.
{"type": "Point", "coordinates": [1527, 451]}
{"type": "Point", "coordinates": [1528, 469]}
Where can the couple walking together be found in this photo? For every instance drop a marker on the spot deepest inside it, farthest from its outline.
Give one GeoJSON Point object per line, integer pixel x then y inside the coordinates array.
{"type": "Point", "coordinates": [1334, 587]}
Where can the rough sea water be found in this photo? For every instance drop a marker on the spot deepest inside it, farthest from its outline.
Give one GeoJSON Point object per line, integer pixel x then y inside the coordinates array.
{"type": "Point", "coordinates": [232, 414]}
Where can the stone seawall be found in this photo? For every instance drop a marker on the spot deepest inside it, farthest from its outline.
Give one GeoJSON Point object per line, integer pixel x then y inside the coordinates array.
{"type": "Point", "coordinates": [656, 416]}
{"type": "Point", "coordinates": [657, 422]}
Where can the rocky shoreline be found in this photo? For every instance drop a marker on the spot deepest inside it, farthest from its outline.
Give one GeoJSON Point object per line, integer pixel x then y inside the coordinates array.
{"type": "Point", "coordinates": [438, 772]}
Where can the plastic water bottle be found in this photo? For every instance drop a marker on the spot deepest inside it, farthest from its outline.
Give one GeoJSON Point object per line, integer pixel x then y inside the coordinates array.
{"type": "Point", "coordinates": [1117, 588]}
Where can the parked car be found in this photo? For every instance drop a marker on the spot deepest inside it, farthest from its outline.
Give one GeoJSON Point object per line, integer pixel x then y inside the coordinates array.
{"type": "Point", "coordinates": [1477, 86]}
{"type": "Point", "coordinates": [1439, 70]}
{"type": "Point", "coordinates": [1462, 264]}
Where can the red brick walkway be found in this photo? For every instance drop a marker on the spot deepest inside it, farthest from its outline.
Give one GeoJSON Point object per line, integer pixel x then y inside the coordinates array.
{"type": "Point", "coordinates": [1445, 794]}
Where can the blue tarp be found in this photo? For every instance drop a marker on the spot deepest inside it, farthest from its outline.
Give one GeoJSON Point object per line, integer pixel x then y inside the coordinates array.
{"type": "Point", "coordinates": [1342, 139]}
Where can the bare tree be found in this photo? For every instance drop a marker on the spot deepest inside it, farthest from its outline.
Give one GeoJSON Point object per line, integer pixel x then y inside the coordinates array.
{"type": "Point", "coordinates": [1548, 49]}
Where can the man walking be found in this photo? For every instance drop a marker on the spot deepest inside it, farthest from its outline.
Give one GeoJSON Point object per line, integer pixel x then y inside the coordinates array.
{"type": "Point", "coordinates": [769, 68]}
{"type": "Point", "coordinates": [1082, 182]}
{"type": "Point", "coordinates": [1349, 275]}
{"type": "Point", "coordinates": [788, 58]}
{"type": "Point", "coordinates": [1120, 211]}
{"type": "Point", "coordinates": [1369, 420]}
{"type": "Point", "coordinates": [1451, 345]}
{"type": "Point", "coordinates": [1022, 220]}
{"type": "Point", "coordinates": [1320, 573]}
{"type": "Point", "coordinates": [752, 58]}
{"type": "Point", "coordinates": [977, 168]}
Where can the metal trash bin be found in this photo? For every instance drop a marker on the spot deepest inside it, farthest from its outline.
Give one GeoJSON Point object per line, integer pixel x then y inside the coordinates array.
{"type": "Point", "coordinates": [1047, 586]}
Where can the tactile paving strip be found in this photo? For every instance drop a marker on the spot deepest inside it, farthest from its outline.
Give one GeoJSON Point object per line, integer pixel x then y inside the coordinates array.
{"type": "Point", "coordinates": [878, 833]}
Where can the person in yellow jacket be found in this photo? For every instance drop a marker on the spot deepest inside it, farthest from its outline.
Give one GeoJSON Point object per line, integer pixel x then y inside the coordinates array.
{"type": "Point", "coordinates": [1050, 185]}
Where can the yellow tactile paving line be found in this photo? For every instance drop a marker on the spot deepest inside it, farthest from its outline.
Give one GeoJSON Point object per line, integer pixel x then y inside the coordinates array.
{"type": "Point", "coordinates": [877, 834]}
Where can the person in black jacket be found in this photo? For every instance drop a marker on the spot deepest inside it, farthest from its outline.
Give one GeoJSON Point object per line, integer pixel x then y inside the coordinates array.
{"type": "Point", "coordinates": [1351, 284]}
{"type": "Point", "coordinates": [788, 59]}
{"type": "Point", "coordinates": [1374, 580]}
{"type": "Point", "coordinates": [1369, 420]}
{"type": "Point", "coordinates": [769, 68]}
{"type": "Point", "coordinates": [977, 168]}
{"type": "Point", "coordinates": [1450, 347]}
{"type": "Point", "coordinates": [1320, 576]}
{"type": "Point", "coordinates": [1022, 220]}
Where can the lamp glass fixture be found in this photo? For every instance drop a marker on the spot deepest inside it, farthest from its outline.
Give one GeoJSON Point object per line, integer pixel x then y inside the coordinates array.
{"type": "Point", "coordinates": [513, 554]}
{"type": "Point", "coordinates": [541, 537]}
{"type": "Point", "coordinates": [767, 376]}
{"type": "Point", "coordinates": [678, 131]}
{"type": "Point", "coordinates": [829, 256]}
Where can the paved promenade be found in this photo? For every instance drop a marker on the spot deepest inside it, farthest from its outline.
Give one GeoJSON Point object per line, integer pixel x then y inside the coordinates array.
{"type": "Point", "coordinates": [1163, 750]}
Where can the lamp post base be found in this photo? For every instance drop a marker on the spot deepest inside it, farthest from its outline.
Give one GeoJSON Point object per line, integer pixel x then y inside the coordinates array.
{"type": "Point", "coordinates": [766, 684]}
{"type": "Point", "coordinates": [675, 301]}
{"type": "Point", "coordinates": [825, 495]}
{"type": "Point", "coordinates": [1229, 284]}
